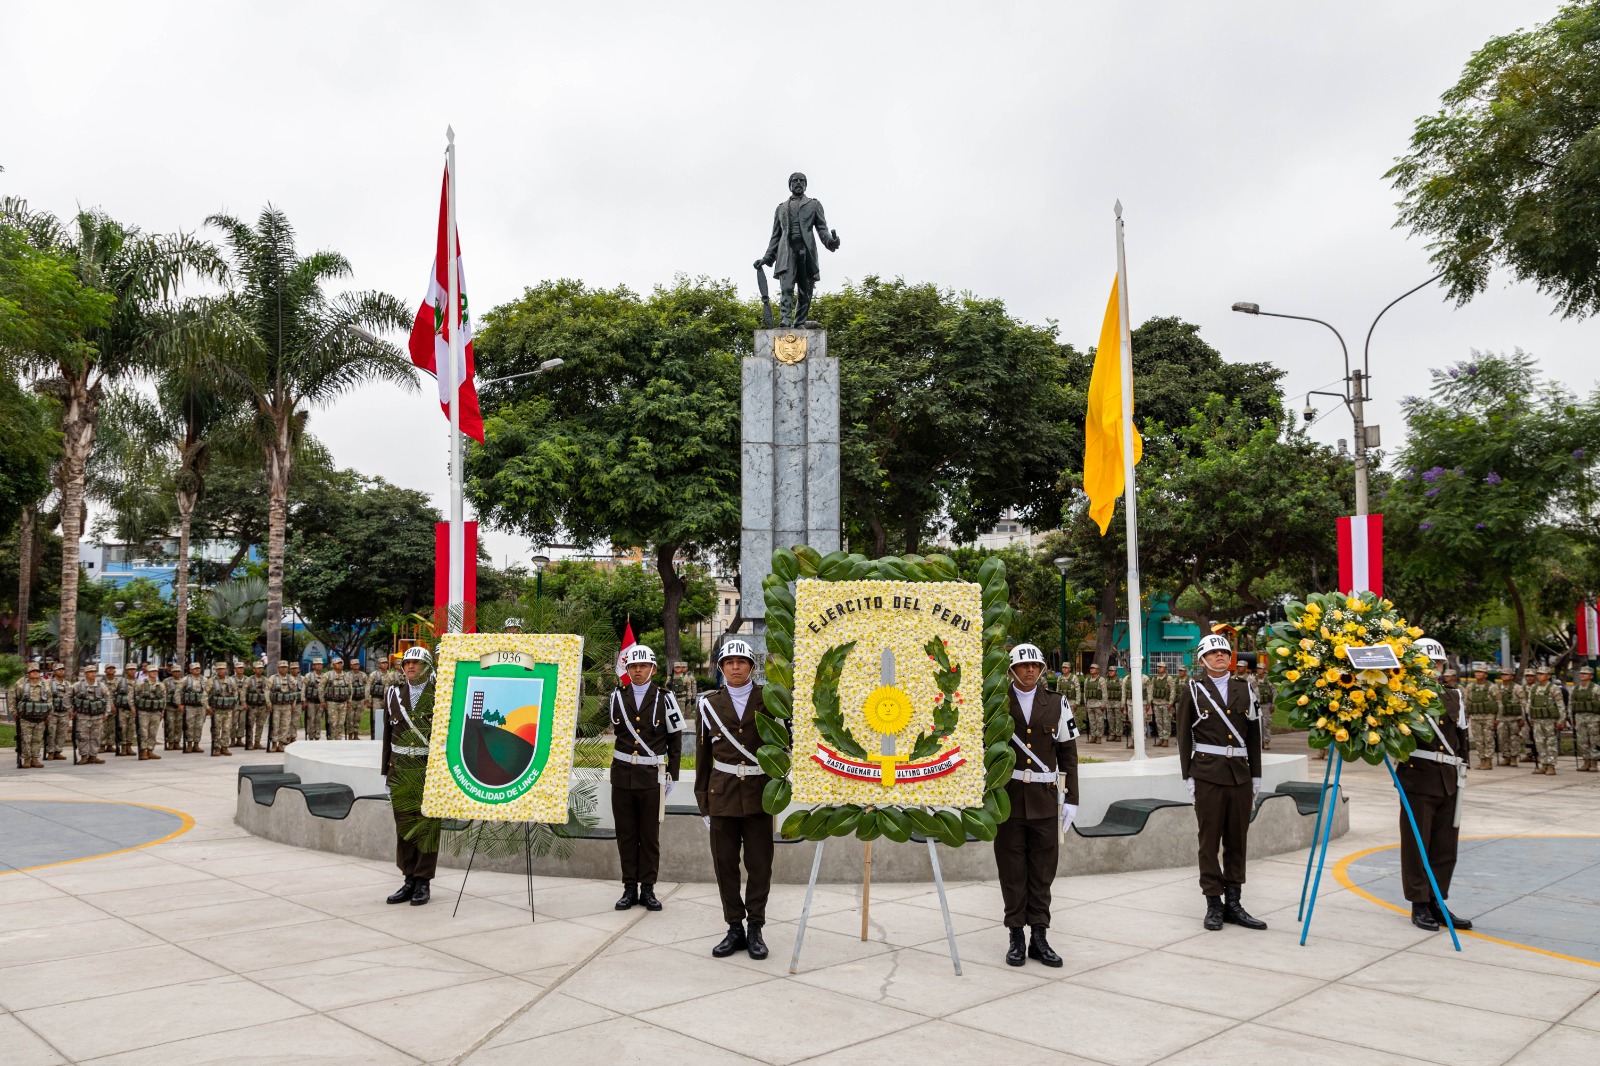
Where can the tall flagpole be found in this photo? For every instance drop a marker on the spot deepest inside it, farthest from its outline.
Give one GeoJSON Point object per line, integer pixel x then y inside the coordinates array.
{"type": "Point", "coordinates": [457, 560]}
{"type": "Point", "coordinates": [1130, 508]}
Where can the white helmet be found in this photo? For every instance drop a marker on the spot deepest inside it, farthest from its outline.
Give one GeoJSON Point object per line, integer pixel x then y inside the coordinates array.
{"type": "Point", "coordinates": [418, 652]}
{"type": "Point", "coordinates": [1213, 642]}
{"type": "Point", "coordinates": [1431, 648]}
{"type": "Point", "coordinates": [1026, 653]}
{"type": "Point", "coordinates": [638, 653]}
{"type": "Point", "coordinates": [736, 648]}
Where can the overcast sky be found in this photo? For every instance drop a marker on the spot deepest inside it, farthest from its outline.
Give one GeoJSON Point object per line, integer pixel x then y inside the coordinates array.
{"type": "Point", "coordinates": [978, 146]}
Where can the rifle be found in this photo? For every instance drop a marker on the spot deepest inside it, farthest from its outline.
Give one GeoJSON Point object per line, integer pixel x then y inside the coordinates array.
{"type": "Point", "coordinates": [766, 296]}
{"type": "Point", "coordinates": [74, 718]}
{"type": "Point", "coordinates": [16, 716]}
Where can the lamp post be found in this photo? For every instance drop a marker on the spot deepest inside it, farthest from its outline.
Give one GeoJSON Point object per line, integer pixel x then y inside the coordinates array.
{"type": "Point", "coordinates": [539, 563]}
{"type": "Point", "coordinates": [1061, 564]}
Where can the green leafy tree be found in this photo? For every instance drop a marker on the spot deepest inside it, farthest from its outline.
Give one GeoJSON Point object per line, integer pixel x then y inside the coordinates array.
{"type": "Point", "coordinates": [289, 347]}
{"type": "Point", "coordinates": [30, 443]}
{"type": "Point", "coordinates": [1507, 172]}
{"type": "Point", "coordinates": [635, 441]}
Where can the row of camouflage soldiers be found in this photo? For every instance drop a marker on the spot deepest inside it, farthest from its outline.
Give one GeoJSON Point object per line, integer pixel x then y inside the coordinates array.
{"type": "Point", "coordinates": [114, 714]}
{"type": "Point", "coordinates": [1504, 715]}
{"type": "Point", "coordinates": [1103, 704]}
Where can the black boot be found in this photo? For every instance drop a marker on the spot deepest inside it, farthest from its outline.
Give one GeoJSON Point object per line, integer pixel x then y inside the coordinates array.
{"type": "Point", "coordinates": [421, 895]}
{"type": "Point", "coordinates": [1456, 920]}
{"type": "Point", "coordinates": [630, 895]}
{"type": "Point", "coordinates": [756, 946]}
{"type": "Point", "coordinates": [1039, 948]}
{"type": "Point", "coordinates": [1017, 953]}
{"type": "Point", "coordinates": [647, 896]}
{"type": "Point", "coordinates": [1234, 913]}
{"type": "Point", "coordinates": [734, 941]}
{"type": "Point", "coordinates": [1422, 917]}
{"type": "Point", "coordinates": [1214, 913]}
{"type": "Point", "coordinates": [405, 891]}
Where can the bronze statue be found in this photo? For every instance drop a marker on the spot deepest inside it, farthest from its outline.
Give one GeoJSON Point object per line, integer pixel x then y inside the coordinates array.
{"type": "Point", "coordinates": [792, 251]}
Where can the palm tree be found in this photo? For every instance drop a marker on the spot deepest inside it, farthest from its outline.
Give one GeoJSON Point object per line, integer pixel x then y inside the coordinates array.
{"type": "Point", "coordinates": [295, 348]}
{"type": "Point", "coordinates": [141, 273]}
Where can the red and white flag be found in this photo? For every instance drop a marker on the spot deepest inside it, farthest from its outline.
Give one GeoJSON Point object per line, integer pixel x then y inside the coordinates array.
{"type": "Point", "coordinates": [1361, 554]}
{"type": "Point", "coordinates": [627, 642]}
{"type": "Point", "coordinates": [1588, 630]}
{"type": "Point", "coordinates": [430, 334]}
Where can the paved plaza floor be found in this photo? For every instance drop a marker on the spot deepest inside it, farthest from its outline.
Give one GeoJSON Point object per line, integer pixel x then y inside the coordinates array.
{"type": "Point", "coordinates": [189, 941]}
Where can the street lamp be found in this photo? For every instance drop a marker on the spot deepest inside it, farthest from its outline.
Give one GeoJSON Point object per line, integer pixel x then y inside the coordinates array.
{"type": "Point", "coordinates": [539, 563]}
{"type": "Point", "coordinates": [544, 367]}
{"type": "Point", "coordinates": [1061, 564]}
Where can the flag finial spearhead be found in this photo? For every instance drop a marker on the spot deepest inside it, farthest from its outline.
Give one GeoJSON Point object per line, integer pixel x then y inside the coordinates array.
{"type": "Point", "coordinates": [1118, 207]}
{"type": "Point", "coordinates": [450, 135]}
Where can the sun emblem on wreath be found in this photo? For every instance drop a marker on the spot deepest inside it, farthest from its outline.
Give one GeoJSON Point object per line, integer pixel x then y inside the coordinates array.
{"type": "Point", "coordinates": [887, 710]}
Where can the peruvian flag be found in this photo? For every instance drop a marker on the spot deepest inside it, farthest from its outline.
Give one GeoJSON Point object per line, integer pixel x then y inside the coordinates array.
{"type": "Point", "coordinates": [430, 334]}
{"type": "Point", "coordinates": [1361, 554]}
{"type": "Point", "coordinates": [627, 642]}
{"type": "Point", "coordinates": [1588, 629]}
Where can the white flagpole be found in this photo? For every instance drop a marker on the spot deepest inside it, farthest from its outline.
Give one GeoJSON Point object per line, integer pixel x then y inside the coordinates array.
{"type": "Point", "coordinates": [457, 560]}
{"type": "Point", "coordinates": [1130, 508]}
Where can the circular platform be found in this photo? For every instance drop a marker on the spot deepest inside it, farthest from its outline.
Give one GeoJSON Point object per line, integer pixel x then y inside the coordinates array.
{"type": "Point", "coordinates": [35, 833]}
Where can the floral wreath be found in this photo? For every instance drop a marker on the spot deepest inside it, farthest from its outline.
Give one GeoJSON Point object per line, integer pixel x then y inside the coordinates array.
{"type": "Point", "coordinates": [895, 821]}
{"type": "Point", "coordinates": [1362, 713]}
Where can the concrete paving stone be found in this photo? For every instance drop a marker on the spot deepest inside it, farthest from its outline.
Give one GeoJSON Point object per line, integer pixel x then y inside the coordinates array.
{"type": "Point", "coordinates": [434, 921]}
{"type": "Point", "coordinates": [1587, 1015]}
{"type": "Point", "coordinates": [91, 1028]}
{"type": "Point", "coordinates": [987, 947]}
{"type": "Point", "coordinates": [208, 891]}
{"type": "Point", "coordinates": [1258, 1045]}
{"type": "Point", "coordinates": [442, 1022]}
{"type": "Point", "coordinates": [258, 949]}
{"type": "Point", "coordinates": [566, 901]}
{"type": "Point", "coordinates": [40, 984]}
{"type": "Point", "coordinates": [1512, 958]}
{"type": "Point", "coordinates": [821, 948]}
{"type": "Point", "coordinates": [654, 977]}
{"type": "Point", "coordinates": [897, 924]}
{"type": "Point", "coordinates": [297, 1042]}
{"type": "Point", "coordinates": [1094, 1023]}
{"type": "Point", "coordinates": [84, 938]}
{"type": "Point", "coordinates": [799, 1021]}
{"type": "Point", "coordinates": [283, 860]}
{"type": "Point", "coordinates": [609, 921]}
{"type": "Point", "coordinates": [1125, 925]}
{"type": "Point", "coordinates": [218, 919]}
{"type": "Point", "coordinates": [25, 888]}
{"type": "Point", "coordinates": [118, 872]}
{"type": "Point", "coordinates": [347, 980]}
{"type": "Point", "coordinates": [1472, 984]}
{"type": "Point", "coordinates": [1092, 888]}
{"type": "Point", "coordinates": [981, 899]}
{"type": "Point", "coordinates": [1279, 950]}
{"type": "Point", "coordinates": [524, 947]}
{"type": "Point", "coordinates": [617, 1042]}
{"type": "Point", "coordinates": [1239, 992]}
{"type": "Point", "coordinates": [1347, 917]}
{"type": "Point", "coordinates": [23, 1046]}
{"type": "Point", "coordinates": [353, 876]}
{"type": "Point", "coordinates": [47, 914]}
{"type": "Point", "coordinates": [921, 982]}
{"type": "Point", "coordinates": [1562, 1045]}
{"type": "Point", "coordinates": [936, 1043]}
{"type": "Point", "coordinates": [1461, 1036]}
{"type": "Point", "coordinates": [552, 1013]}
{"type": "Point", "coordinates": [678, 920]}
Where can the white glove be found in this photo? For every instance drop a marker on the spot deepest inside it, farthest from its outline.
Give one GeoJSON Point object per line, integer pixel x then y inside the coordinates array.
{"type": "Point", "coordinates": [706, 819]}
{"type": "Point", "coordinates": [667, 788]}
{"type": "Point", "coordinates": [1255, 786]}
{"type": "Point", "coordinates": [1190, 782]}
{"type": "Point", "coordinates": [1069, 811]}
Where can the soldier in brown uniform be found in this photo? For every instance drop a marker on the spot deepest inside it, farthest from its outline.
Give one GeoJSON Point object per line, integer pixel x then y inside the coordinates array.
{"type": "Point", "coordinates": [90, 702]}
{"type": "Point", "coordinates": [30, 703]}
{"type": "Point", "coordinates": [727, 784]}
{"type": "Point", "coordinates": [150, 700]}
{"type": "Point", "coordinates": [313, 695]}
{"type": "Point", "coordinates": [338, 693]}
{"type": "Point", "coordinates": [1219, 753]}
{"type": "Point", "coordinates": [649, 729]}
{"type": "Point", "coordinates": [172, 720]}
{"type": "Point", "coordinates": [256, 709]}
{"type": "Point", "coordinates": [194, 695]}
{"type": "Point", "coordinates": [109, 741]}
{"type": "Point", "coordinates": [1432, 778]}
{"type": "Point", "coordinates": [224, 706]}
{"type": "Point", "coordinates": [405, 748]}
{"type": "Point", "coordinates": [1096, 689]}
{"type": "Point", "coordinates": [1044, 801]}
{"type": "Point", "coordinates": [59, 733]}
{"type": "Point", "coordinates": [283, 699]}
{"type": "Point", "coordinates": [1482, 700]}
{"type": "Point", "coordinates": [1585, 708]}
{"type": "Point", "coordinates": [1511, 726]}
{"type": "Point", "coordinates": [1163, 690]}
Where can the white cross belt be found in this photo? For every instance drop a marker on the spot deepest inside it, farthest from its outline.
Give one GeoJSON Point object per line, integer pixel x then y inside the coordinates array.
{"type": "Point", "coordinates": [1226, 753]}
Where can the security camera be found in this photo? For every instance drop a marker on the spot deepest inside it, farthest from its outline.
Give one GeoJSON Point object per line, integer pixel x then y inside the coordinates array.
{"type": "Point", "coordinates": [1309, 414]}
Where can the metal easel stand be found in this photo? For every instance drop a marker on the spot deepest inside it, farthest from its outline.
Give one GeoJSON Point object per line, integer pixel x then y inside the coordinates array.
{"type": "Point", "coordinates": [1316, 833]}
{"type": "Point", "coordinates": [811, 887]}
{"type": "Point", "coordinates": [527, 856]}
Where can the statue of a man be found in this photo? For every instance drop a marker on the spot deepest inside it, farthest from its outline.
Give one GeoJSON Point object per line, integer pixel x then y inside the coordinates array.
{"type": "Point", "coordinates": [793, 250]}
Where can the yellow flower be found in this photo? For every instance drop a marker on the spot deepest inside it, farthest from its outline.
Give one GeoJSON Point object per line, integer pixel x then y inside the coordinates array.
{"type": "Point", "coordinates": [1372, 739]}
{"type": "Point", "coordinates": [1292, 675]}
{"type": "Point", "coordinates": [1306, 644]}
{"type": "Point", "coordinates": [1422, 661]}
{"type": "Point", "coordinates": [1362, 631]}
{"type": "Point", "coordinates": [1349, 627]}
{"type": "Point", "coordinates": [1388, 605]}
{"type": "Point", "coordinates": [1339, 652]}
{"type": "Point", "coordinates": [1341, 735]}
{"type": "Point", "coordinates": [1302, 701]}
{"type": "Point", "coordinates": [1322, 682]}
{"type": "Point", "coordinates": [1334, 616]}
{"type": "Point", "coordinates": [1405, 729]}
{"type": "Point", "coordinates": [1414, 632]}
{"type": "Point", "coordinates": [1322, 723]}
{"type": "Point", "coordinates": [1333, 705]}
{"type": "Point", "coordinates": [1371, 720]}
{"type": "Point", "coordinates": [1283, 652]}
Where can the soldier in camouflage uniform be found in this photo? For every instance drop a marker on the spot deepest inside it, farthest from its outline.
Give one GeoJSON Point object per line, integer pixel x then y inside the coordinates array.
{"type": "Point", "coordinates": [1070, 686]}
{"type": "Point", "coordinates": [225, 707]}
{"type": "Point", "coordinates": [1511, 728]}
{"type": "Point", "coordinates": [172, 717]}
{"type": "Point", "coordinates": [1585, 707]}
{"type": "Point", "coordinates": [1095, 691]}
{"type": "Point", "coordinates": [1163, 691]}
{"type": "Point", "coordinates": [298, 714]}
{"type": "Point", "coordinates": [1547, 706]}
{"type": "Point", "coordinates": [194, 696]}
{"type": "Point", "coordinates": [283, 699]}
{"type": "Point", "coordinates": [90, 702]}
{"type": "Point", "coordinates": [379, 678]}
{"type": "Point", "coordinates": [1482, 701]}
{"type": "Point", "coordinates": [254, 712]}
{"type": "Point", "coordinates": [311, 696]}
{"type": "Point", "coordinates": [1266, 694]}
{"type": "Point", "coordinates": [59, 736]}
{"type": "Point", "coordinates": [149, 703]}
{"type": "Point", "coordinates": [31, 702]}
{"type": "Point", "coordinates": [338, 690]}
{"type": "Point", "coordinates": [127, 716]}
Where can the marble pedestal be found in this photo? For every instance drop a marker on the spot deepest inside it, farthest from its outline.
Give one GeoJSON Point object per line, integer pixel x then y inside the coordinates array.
{"type": "Point", "coordinates": [790, 450]}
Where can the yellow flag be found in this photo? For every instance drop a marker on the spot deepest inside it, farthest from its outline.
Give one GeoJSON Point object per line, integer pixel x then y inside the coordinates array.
{"type": "Point", "coordinates": [1102, 430]}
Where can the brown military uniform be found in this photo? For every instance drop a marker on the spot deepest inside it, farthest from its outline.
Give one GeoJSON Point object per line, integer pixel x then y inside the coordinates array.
{"type": "Point", "coordinates": [730, 795]}
{"type": "Point", "coordinates": [1027, 846]}
{"type": "Point", "coordinates": [398, 754]}
{"type": "Point", "coordinates": [1223, 793]}
{"type": "Point", "coordinates": [1431, 778]}
{"type": "Point", "coordinates": [649, 744]}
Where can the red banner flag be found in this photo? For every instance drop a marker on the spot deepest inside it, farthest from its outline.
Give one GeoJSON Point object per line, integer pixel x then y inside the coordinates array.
{"type": "Point", "coordinates": [441, 577]}
{"type": "Point", "coordinates": [627, 642]}
{"type": "Point", "coordinates": [430, 333]}
{"type": "Point", "coordinates": [1361, 554]}
{"type": "Point", "coordinates": [1588, 630]}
